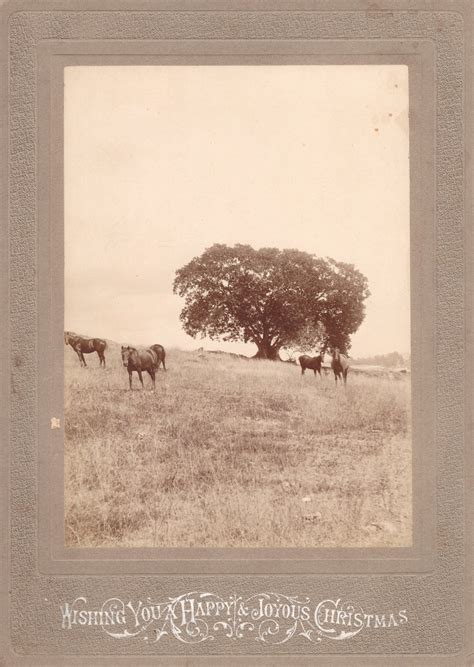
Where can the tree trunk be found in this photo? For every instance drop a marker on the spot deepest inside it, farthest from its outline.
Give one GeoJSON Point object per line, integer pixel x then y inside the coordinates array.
{"type": "Point", "coordinates": [266, 351]}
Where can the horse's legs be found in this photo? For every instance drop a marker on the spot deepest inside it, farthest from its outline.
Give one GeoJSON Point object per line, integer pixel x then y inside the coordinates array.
{"type": "Point", "coordinates": [130, 379]}
{"type": "Point", "coordinates": [81, 357]}
{"type": "Point", "coordinates": [151, 373]}
{"type": "Point", "coordinates": [163, 362]}
{"type": "Point", "coordinates": [78, 352]}
{"type": "Point", "coordinates": [141, 378]}
{"type": "Point", "coordinates": [302, 370]}
{"type": "Point", "coordinates": [103, 358]}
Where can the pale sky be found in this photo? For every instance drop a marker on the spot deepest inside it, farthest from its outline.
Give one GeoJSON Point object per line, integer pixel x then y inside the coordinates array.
{"type": "Point", "coordinates": [161, 162]}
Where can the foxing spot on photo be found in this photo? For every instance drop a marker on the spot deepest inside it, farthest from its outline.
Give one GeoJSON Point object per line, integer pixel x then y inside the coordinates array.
{"type": "Point", "coordinates": [237, 306]}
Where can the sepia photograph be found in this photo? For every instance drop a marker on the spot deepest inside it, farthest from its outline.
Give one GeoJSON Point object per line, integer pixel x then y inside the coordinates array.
{"type": "Point", "coordinates": [237, 344]}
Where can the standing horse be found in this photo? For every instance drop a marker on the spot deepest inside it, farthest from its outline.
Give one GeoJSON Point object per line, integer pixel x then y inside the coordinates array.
{"type": "Point", "coordinates": [340, 365]}
{"type": "Point", "coordinates": [160, 353]}
{"type": "Point", "coordinates": [313, 363]}
{"type": "Point", "coordinates": [83, 346]}
{"type": "Point", "coordinates": [140, 361]}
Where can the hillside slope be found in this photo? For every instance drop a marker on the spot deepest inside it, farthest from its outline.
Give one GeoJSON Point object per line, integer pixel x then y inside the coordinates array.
{"type": "Point", "coordinates": [232, 452]}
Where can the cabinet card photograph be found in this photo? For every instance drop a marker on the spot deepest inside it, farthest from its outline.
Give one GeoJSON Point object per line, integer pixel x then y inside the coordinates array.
{"type": "Point", "coordinates": [237, 306]}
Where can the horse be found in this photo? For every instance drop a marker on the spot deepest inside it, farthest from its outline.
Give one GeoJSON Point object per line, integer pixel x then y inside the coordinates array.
{"type": "Point", "coordinates": [340, 365]}
{"type": "Point", "coordinates": [313, 363]}
{"type": "Point", "coordinates": [83, 346]}
{"type": "Point", "coordinates": [161, 354]}
{"type": "Point", "coordinates": [139, 361]}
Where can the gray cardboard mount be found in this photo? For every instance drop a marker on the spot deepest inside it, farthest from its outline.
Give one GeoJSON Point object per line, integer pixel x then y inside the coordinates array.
{"type": "Point", "coordinates": [430, 583]}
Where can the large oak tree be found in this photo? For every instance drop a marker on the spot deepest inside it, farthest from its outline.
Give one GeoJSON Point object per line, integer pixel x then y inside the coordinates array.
{"type": "Point", "coordinates": [269, 297]}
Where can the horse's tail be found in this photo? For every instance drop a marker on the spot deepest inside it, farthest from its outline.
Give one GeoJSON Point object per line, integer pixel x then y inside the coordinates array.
{"type": "Point", "coordinates": [161, 356]}
{"type": "Point", "coordinates": [160, 353]}
{"type": "Point", "coordinates": [154, 357]}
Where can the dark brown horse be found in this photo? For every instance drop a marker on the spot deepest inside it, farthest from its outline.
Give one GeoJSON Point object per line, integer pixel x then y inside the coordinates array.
{"type": "Point", "coordinates": [83, 346]}
{"type": "Point", "coordinates": [340, 365]}
{"type": "Point", "coordinates": [140, 361]}
{"type": "Point", "coordinates": [313, 363]}
{"type": "Point", "coordinates": [160, 353]}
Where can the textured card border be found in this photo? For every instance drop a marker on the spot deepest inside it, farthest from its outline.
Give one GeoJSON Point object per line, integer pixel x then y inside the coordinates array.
{"type": "Point", "coordinates": [438, 599]}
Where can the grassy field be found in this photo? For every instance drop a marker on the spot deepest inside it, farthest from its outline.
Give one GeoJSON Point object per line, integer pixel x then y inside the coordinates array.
{"type": "Point", "coordinates": [232, 452]}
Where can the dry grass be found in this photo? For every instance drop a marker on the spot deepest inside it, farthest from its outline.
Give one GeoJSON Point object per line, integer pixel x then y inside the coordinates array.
{"type": "Point", "coordinates": [228, 452]}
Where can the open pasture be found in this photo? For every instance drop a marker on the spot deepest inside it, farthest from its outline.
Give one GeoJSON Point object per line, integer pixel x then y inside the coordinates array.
{"type": "Point", "coordinates": [229, 452]}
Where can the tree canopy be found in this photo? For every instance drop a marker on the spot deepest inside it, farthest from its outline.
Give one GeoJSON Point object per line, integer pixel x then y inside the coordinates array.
{"type": "Point", "coordinates": [270, 297]}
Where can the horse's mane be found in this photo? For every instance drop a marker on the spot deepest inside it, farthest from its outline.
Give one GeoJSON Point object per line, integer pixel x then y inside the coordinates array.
{"type": "Point", "coordinates": [73, 334]}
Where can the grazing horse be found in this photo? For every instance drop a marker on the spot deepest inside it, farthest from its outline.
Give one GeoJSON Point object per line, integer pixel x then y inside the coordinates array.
{"type": "Point", "coordinates": [340, 365]}
{"type": "Point", "coordinates": [160, 353]}
{"type": "Point", "coordinates": [140, 361]}
{"type": "Point", "coordinates": [313, 363]}
{"type": "Point", "coordinates": [83, 346]}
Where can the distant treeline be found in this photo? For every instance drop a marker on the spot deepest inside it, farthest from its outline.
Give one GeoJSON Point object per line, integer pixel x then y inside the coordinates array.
{"type": "Point", "coordinates": [391, 360]}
